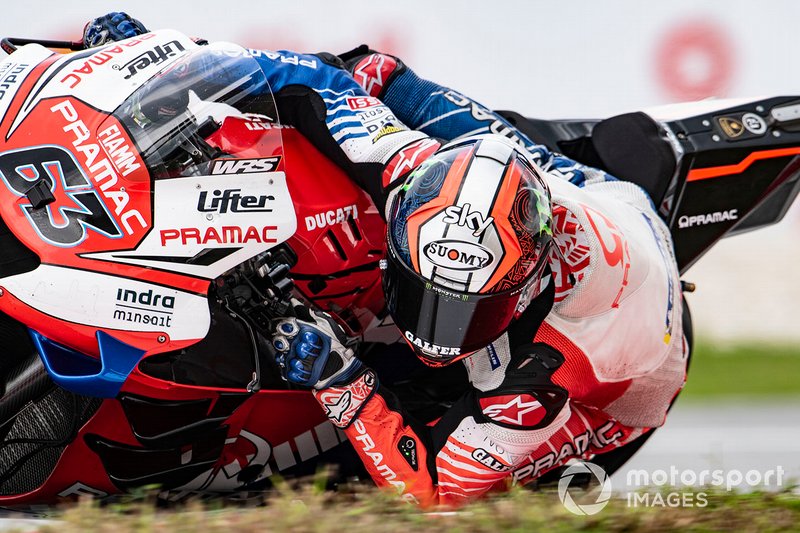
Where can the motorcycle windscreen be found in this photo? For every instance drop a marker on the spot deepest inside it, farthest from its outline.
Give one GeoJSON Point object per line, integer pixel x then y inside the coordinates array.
{"type": "Point", "coordinates": [443, 325]}
{"type": "Point", "coordinates": [214, 103]}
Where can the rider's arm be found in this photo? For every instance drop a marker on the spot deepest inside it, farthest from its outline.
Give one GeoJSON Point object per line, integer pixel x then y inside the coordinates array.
{"type": "Point", "coordinates": [460, 458]}
{"type": "Point", "coordinates": [447, 114]}
{"type": "Point", "coordinates": [315, 94]}
{"type": "Point", "coordinates": [358, 132]}
{"type": "Point", "coordinates": [512, 410]}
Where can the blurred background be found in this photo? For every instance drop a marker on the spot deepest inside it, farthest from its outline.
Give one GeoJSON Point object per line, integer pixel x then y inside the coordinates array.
{"type": "Point", "coordinates": [581, 59]}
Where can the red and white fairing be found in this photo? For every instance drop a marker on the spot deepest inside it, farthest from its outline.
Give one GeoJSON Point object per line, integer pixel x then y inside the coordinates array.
{"type": "Point", "coordinates": [133, 254]}
{"type": "Point", "coordinates": [57, 127]}
{"type": "Point", "coordinates": [117, 246]}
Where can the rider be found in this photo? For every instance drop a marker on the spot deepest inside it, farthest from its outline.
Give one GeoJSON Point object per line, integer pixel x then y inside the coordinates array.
{"type": "Point", "coordinates": [561, 296]}
{"type": "Point", "coordinates": [533, 282]}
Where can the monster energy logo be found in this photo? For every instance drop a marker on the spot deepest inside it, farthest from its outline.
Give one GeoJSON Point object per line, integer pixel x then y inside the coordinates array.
{"type": "Point", "coordinates": [429, 286]}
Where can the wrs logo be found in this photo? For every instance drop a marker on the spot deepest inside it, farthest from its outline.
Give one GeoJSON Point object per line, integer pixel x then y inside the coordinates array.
{"type": "Point", "coordinates": [244, 166]}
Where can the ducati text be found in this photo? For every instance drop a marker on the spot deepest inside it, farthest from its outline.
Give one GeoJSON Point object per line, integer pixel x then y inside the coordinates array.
{"type": "Point", "coordinates": [329, 218]}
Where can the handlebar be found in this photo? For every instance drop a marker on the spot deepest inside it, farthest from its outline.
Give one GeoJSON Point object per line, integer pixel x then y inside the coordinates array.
{"type": "Point", "coordinates": [10, 44]}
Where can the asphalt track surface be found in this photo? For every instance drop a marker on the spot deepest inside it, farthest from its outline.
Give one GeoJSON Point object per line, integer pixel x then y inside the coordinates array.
{"type": "Point", "coordinates": [719, 436]}
{"type": "Point", "coordinates": [724, 436]}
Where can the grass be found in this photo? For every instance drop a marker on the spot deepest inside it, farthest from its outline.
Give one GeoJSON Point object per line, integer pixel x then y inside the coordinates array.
{"type": "Point", "coordinates": [751, 370]}
{"type": "Point", "coordinates": [717, 372]}
{"type": "Point", "coordinates": [309, 510]}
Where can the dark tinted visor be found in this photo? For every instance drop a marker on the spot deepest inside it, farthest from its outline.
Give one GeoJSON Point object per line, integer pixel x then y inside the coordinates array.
{"type": "Point", "coordinates": [443, 325]}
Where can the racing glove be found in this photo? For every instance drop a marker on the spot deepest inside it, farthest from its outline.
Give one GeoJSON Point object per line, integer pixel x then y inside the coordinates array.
{"type": "Point", "coordinates": [114, 26]}
{"type": "Point", "coordinates": [311, 350]}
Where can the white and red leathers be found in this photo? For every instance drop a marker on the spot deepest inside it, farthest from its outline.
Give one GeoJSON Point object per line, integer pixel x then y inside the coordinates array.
{"type": "Point", "coordinates": [606, 360]}
{"type": "Point", "coordinates": [617, 323]}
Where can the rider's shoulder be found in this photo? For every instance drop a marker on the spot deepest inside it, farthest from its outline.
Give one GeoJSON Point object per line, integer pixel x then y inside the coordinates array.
{"type": "Point", "coordinates": [608, 240]}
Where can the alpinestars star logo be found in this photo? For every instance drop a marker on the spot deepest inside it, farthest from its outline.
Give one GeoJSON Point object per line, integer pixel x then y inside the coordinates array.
{"type": "Point", "coordinates": [335, 411]}
{"type": "Point", "coordinates": [371, 73]}
{"type": "Point", "coordinates": [513, 411]}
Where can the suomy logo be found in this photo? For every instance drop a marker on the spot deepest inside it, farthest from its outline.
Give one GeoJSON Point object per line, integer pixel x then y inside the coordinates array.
{"type": "Point", "coordinates": [462, 216]}
{"type": "Point", "coordinates": [457, 255]}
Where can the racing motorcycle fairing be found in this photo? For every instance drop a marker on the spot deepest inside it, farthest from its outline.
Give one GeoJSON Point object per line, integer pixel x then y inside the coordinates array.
{"type": "Point", "coordinates": [714, 168]}
{"type": "Point", "coordinates": [135, 193]}
{"type": "Point", "coordinates": [161, 202]}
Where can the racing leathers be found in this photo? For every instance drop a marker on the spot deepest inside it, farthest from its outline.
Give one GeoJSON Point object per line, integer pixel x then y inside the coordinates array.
{"type": "Point", "coordinates": [591, 365]}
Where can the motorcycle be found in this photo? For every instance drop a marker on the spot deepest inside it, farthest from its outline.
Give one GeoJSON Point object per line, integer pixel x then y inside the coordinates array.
{"type": "Point", "coordinates": [154, 221]}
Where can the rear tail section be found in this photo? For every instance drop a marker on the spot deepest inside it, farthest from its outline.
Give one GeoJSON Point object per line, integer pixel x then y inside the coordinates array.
{"type": "Point", "coordinates": [712, 168]}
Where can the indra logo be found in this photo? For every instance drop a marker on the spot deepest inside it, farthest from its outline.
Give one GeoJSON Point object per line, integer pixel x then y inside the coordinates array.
{"type": "Point", "coordinates": [592, 501]}
{"type": "Point", "coordinates": [457, 255]}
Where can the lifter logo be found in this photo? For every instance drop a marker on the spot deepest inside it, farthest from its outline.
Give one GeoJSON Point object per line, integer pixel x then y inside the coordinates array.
{"type": "Point", "coordinates": [155, 56]}
{"type": "Point", "coordinates": [231, 200]}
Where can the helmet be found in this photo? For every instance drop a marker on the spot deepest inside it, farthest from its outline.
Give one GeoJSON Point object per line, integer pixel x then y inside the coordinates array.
{"type": "Point", "coordinates": [469, 233]}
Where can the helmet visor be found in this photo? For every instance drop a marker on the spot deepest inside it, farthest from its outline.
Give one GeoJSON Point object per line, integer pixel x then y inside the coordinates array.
{"type": "Point", "coordinates": [441, 325]}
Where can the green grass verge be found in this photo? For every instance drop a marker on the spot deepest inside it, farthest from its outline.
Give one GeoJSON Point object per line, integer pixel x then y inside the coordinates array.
{"type": "Point", "coordinates": [753, 370]}
{"type": "Point", "coordinates": [308, 510]}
